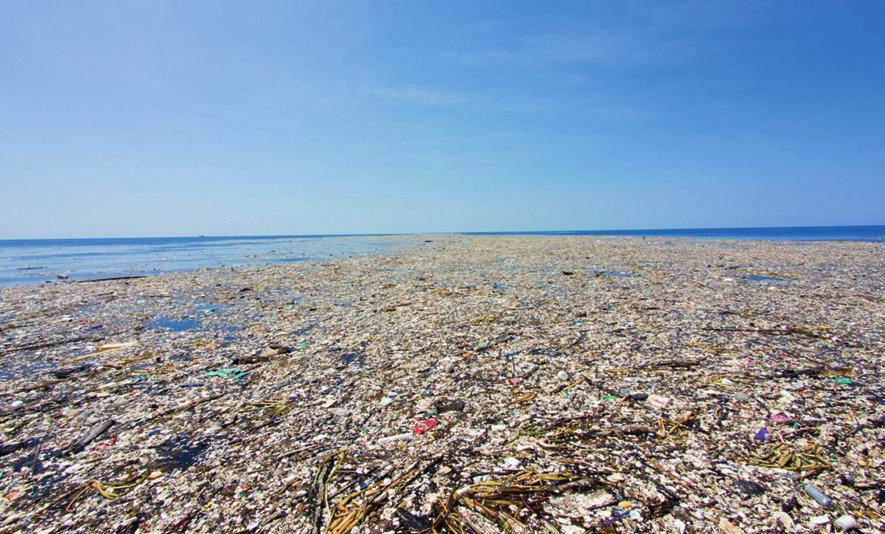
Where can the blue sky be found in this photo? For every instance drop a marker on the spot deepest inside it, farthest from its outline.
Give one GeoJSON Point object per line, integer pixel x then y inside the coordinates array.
{"type": "Point", "coordinates": [220, 118]}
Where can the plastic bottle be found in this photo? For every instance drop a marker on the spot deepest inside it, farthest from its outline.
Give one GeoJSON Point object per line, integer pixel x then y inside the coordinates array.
{"type": "Point", "coordinates": [818, 496]}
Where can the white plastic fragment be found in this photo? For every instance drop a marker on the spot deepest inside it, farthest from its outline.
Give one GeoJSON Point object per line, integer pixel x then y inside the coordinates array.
{"type": "Point", "coordinates": [846, 522]}
{"type": "Point", "coordinates": [657, 401]}
{"type": "Point", "coordinates": [396, 437]}
{"type": "Point", "coordinates": [511, 463]}
{"type": "Point", "coordinates": [785, 520]}
{"type": "Point", "coordinates": [819, 520]}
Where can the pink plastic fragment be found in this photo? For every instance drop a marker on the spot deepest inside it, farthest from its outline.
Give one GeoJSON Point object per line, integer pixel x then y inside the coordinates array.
{"type": "Point", "coordinates": [779, 418]}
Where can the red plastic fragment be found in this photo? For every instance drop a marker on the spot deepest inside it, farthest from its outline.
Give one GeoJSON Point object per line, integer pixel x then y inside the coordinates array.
{"type": "Point", "coordinates": [423, 426]}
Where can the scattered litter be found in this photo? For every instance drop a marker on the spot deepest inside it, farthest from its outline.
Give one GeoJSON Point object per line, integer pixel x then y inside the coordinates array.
{"type": "Point", "coordinates": [463, 386]}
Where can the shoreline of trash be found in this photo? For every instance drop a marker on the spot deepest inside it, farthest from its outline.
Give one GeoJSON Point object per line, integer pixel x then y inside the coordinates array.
{"type": "Point", "coordinates": [463, 384]}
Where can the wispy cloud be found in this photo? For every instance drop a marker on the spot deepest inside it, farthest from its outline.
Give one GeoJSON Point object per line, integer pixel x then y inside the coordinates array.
{"type": "Point", "coordinates": [652, 35]}
{"type": "Point", "coordinates": [499, 102]}
{"type": "Point", "coordinates": [587, 47]}
{"type": "Point", "coordinates": [594, 47]}
{"type": "Point", "coordinates": [418, 95]}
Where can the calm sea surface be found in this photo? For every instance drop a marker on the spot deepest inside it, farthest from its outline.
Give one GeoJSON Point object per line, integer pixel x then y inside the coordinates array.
{"type": "Point", "coordinates": [42, 260]}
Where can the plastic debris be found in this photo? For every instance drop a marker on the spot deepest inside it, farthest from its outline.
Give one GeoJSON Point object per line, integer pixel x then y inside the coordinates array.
{"type": "Point", "coordinates": [396, 437]}
{"type": "Point", "coordinates": [226, 372]}
{"type": "Point", "coordinates": [658, 402]}
{"type": "Point", "coordinates": [449, 405]}
{"type": "Point", "coordinates": [846, 522]}
{"type": "Point", "coordinates": [535, 385]}
{"type": "Point", "coordinates": [842, 380]}
{"type": "Point", "coordinates": [785, 520]}
{"type": "Point", "coordinates": [780, 418]}
{"type": "Point", "coordinates": [818, 496]}
{"type": "Point", "coordinates": [422, 427]}
{"type": "Point", "coordinates": [512, 463]}
{"type": "Point", "coordinates": [749, 487]}
{"type": "Point", "coordinates": [819, 520]}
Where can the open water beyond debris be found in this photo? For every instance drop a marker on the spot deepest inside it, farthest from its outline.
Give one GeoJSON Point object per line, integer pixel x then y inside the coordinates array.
{"type": "Point", "coordinates": [32, 261]}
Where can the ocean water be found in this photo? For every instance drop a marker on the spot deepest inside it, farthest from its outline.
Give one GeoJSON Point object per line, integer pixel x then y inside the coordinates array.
{"type": "Point", "coordinates": [783, 233]}
{"type": "Point", "coordinates": [43, 260]}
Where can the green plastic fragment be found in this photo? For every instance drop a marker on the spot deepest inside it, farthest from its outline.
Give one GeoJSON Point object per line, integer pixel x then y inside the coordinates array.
{"type": "Point", "coordinates": [301, 346]}
{"type": "Point", "coordinates": [227, 372]}
{"type": "Point", "coordinates": [610, 398]}
{"type": "Point", "coordinates": [842, 380]}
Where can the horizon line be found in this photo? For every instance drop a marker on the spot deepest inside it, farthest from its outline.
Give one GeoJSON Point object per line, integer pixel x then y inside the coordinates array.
{"type": "Point", "coordinates": [462, 232]}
